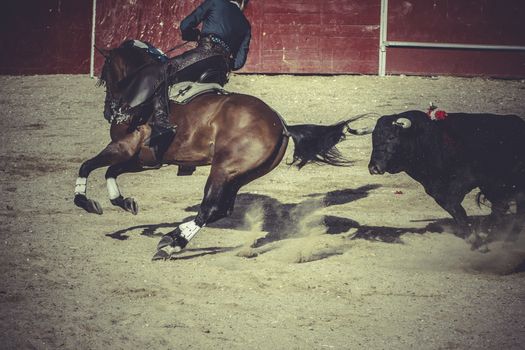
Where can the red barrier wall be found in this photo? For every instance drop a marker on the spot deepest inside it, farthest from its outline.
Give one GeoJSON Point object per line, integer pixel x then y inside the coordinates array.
{"type": "Point", "coordinates": [314, 36]}
{"type": "Point", "coordinates": [45, 36]}
{"type": "Point", "coordinates": [488, 22]}
{"type": "Point", "coordinates": [297, 36]}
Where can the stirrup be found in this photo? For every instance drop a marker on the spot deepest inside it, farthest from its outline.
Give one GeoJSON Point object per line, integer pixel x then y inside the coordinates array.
{"type": "Point", "coordinates": [186, 170]}
{"type": "Point", "coordinates": [157, 131]}
{"type": "Point", "coordinates": [160, 140]}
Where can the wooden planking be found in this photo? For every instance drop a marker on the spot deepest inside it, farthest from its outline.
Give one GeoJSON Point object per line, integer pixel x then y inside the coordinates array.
{"type": "Point", "coordinates": [301, 36]}
{"type": "Point", "coordinates": [493, 22]}
{"type": "Point", "coordinates": [317, 37]}
{"type": "Point", "coordinates": [489, 22]}
{"type": "Point", "coordinates": [297, 36]}
{"type": "Point", "coordinates": [156, 22]}
{"type": "Point", "coordinates": [501, 64]}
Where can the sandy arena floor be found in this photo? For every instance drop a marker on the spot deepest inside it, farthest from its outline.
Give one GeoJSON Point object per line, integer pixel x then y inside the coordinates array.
{"type": "Point", "coordinates": [73, 280]}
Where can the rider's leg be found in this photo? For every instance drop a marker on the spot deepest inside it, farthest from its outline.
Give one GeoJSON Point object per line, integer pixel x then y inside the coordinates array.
{"type": "Point", "coordinates": [150, 85]}
{"type": "Point", "coordinates": [160, 123]}
{"type": "Point", "coordinates": [140, 87]}
{"type": "Point", "coordinates": [213, 69]}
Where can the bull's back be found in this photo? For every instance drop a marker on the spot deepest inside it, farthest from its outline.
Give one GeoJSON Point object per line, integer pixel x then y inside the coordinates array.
{"type": "Point", "coordinates": [494, 143]}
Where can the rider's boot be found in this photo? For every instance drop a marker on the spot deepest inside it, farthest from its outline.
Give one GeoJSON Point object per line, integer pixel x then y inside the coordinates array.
{"type": "Point", "coordinates": [160, 124]}
{"type": "Point", "coordinates": [162, 131]}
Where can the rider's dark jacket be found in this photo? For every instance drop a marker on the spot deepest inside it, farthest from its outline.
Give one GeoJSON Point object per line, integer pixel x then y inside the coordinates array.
{"type": "Point", "coordinates": [224, 20]}
{"type": "Point", "coordinates": [223, 46]}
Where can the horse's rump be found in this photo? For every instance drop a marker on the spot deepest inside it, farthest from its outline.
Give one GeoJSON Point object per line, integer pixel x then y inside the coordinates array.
{"type": "Point", "coordinates": [214, 125]}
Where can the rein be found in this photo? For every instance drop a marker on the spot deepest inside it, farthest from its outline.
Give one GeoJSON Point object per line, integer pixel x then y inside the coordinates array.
{"type": "Point", "coordinates": [118, 115]}
{"type": "Point", "coordinates": [177, 47]}
{"type": "Point", "coordinates": [148, 63]}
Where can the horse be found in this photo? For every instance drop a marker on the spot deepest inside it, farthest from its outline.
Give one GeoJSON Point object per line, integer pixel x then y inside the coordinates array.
{"type": "Point", "coordinates": [239, 135]}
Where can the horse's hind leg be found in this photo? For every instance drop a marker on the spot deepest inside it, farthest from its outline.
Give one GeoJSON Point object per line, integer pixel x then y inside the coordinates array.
{"type": "Point", "coordinates": [114, 153]}
{"type": "Point", "coordinates": [227, 175]}
{"type": "Point", "coordinates": [219, 196]}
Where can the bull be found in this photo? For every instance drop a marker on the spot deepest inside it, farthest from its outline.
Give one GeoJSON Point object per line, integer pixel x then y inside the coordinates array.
{"type": "Point", "coordinates": [452, 156]}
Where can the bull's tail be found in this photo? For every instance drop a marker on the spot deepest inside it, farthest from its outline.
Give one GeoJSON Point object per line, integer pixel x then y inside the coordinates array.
{"type": "Point", "coordinates": [317, 143]}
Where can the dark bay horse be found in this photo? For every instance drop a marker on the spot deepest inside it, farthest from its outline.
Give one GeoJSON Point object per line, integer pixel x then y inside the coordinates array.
{"type": "Point", "coordinates": [240, 136]}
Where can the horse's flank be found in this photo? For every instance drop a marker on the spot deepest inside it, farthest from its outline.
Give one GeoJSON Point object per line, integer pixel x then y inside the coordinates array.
{"type": "Point", "coordinates": [212, 123]}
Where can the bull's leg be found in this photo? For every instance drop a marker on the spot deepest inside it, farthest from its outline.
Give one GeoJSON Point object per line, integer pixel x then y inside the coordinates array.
{"type": "Point", "coordinates": [219, 195]}
{"type": "Point", "coordinates": [476, 240]}
{"type": "Point", "coordinates": [449, 195]}
{"type": "Point", "coordinates": [519, 220]}
{"type": "Point", "coordinates": [455, 209]}
{"type": "Point", "coordinates": [115, 196]}
{"type": "Point", "coordinates": [114, 153]}
{"type": "Point", "coordinates": [498, 210]}
{"type": "Point", "coordinates": [458, 213]}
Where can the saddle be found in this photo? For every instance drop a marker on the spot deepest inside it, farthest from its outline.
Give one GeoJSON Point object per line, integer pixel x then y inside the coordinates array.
{"type": "Point", "coordinates": [184, 92]}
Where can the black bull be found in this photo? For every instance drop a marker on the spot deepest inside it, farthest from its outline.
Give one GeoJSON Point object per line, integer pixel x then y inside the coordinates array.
{"type": "Point", "coordinates": [453, 156]}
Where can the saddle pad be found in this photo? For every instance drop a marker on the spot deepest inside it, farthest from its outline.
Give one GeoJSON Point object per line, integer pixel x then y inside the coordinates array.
{"type": "Point", "coordinates": [185, 91]}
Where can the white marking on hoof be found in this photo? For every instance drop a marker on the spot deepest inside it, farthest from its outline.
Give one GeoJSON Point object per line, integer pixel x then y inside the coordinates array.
{"type": "Point", "coordinates": [80, 186]}
{"type": "Point", "coordinates": [113, 189]}
{"type": "Point", "coordinates": [189, 229]}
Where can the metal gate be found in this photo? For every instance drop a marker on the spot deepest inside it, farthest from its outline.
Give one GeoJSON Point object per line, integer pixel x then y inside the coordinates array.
{"type": "Point", "coordinates": [465, 38]}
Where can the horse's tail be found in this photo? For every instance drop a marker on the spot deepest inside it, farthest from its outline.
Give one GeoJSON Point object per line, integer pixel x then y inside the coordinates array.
{"type": "Point", "coordinates": [317, 143]}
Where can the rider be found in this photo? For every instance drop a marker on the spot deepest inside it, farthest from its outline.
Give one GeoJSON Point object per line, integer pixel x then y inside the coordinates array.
{"type": "Point", "coordinates": [223, 45]}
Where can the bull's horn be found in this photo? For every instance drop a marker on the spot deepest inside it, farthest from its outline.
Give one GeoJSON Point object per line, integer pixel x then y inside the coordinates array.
{"type": "Point", "coordinates": [403, 122]}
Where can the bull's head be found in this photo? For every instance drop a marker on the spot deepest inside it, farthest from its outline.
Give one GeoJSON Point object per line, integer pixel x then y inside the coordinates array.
{"type": "Point", "coordinates": [389, 139]}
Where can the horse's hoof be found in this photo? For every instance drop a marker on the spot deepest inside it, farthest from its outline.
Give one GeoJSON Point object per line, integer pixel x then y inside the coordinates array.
{"type": "Point", "coordinates": [173, 239]}
{"type": "Point", "coordinates": [133, 206]}
{"type": "Point", "coordinates": [160, 255]}
{"type": "Point", "coordinates": [165, 241]}
{"type": "Point", "coordinates": [128, 204]}
{"type": "Point", "coordinates": [88, 205]}
{"type": "Point", "coordinates": [166, 253]}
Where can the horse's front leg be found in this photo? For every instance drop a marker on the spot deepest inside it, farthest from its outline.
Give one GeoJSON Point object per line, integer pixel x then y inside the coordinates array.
{"type": "Point", "coordinates": [118, 151]}
{"type": "Point", "coordinates": [115, 196]}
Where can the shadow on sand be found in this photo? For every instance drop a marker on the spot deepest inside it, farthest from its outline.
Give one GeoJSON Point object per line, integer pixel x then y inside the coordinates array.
{"type": "Point", "coordinates": [283, 220]}
{"type": "Point", "coordinates": [278, 219]}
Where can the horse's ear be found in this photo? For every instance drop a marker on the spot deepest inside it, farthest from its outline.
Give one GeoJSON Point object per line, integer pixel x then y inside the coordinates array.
{"type": "Point", "coordinates": [103, 52]}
